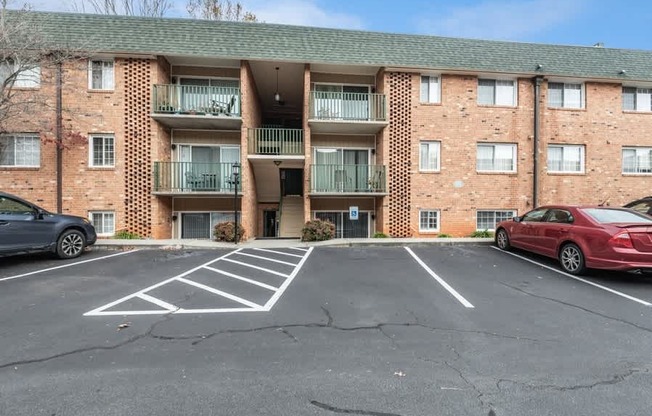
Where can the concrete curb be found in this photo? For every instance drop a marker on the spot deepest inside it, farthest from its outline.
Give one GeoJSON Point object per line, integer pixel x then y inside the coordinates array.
{"type": "Point", "coordinates": [109, 244]}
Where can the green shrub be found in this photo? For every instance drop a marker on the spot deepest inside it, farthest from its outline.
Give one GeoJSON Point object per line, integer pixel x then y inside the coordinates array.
{"type": "Point", "coordinates": [125, 235]}
{"type": "Point", "coordinates": [482, 234]}
{"type": "Point", "coordinates": [225, 231]}
{"type": "Point", "coordinates": [380, 235]}
{"type": "Point", "coordinates": [444, 235]}
{"type": "Point", "coordinates": [317, 230]}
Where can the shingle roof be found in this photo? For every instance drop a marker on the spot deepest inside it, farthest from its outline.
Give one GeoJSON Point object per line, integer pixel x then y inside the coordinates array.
{"type": "Point", "coordinates": [260, 41]}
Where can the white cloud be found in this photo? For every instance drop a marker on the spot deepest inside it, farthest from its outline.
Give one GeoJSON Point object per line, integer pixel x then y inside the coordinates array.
{"type": "Point", "coordinates": [301, 12]}
{"type": "Point", "coordinates": [499, 19]}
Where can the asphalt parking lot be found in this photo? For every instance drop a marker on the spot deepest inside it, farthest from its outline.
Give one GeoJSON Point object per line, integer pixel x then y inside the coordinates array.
{"type": "Point", "coordinates": [422, 330]}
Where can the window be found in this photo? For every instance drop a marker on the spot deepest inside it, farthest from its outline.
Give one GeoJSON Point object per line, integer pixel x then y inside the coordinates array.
{"type": "Point", "coordinates": [487, 219]}
{"type": "Point", "coordinates": [25, 76]}
{"type": "Point", "coordinates": [637, 160]}
{"type": "Point", "coordinates": [100, 75]}
{"type": "Point", "coordinates": [559, 216]}
{"type": "Point", "coordinates": [496, 158]}
{"type": "Point", "coordinates": [429, 156]}
{"type": "Point", "coordinates": [430, 89]}
{"type": "Point", "coordinates": [22, 150]}
{"type": "Point", "coordinates": [345, 227]}
{"type": "Point", "coordinates": [637, 99]}
{"type": "Point", "coordinates": [535, 215]}
{"type": "Point", "coordinates": [428, 221]}
{"type": "Point", "coordinates": [496, 92]}
{"type": "Point", "coordinates": [103, 221]}
{"type": "Point", "coordinates": [562, 95]}
{"type": "Point", "coordinates": [102, 150]}
{"type": "Point", "coordinates": [566, 158]}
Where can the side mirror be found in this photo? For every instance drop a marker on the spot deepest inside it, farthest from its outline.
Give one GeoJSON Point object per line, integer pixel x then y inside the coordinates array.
{"type": "Point", "coordinates": [516, 219]}
{"type": "Point", "coordinates": [39, 214]}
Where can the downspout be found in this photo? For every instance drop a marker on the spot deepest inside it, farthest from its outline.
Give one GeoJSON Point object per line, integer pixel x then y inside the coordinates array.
{"type": "Point", "coordinates": [535, 177]}
{"type": "Point", "coordinates": [59, 138]}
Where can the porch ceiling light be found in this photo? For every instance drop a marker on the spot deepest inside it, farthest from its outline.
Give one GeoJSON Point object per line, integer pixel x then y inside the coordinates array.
{"type": "Point", "coordinates": [277, 95]}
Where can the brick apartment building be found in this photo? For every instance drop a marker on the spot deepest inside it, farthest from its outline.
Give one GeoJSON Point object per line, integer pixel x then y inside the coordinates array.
{"type": "Point", "coordinates": [424, 135]}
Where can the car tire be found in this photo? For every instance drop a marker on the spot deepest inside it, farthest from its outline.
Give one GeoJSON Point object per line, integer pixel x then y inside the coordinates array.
{"type": "Point", "coordinates": [502, 239]}
{"type": "Point", "coordinates": [71, 244]}
{"type": "Point", "coordinates": [571, 259]}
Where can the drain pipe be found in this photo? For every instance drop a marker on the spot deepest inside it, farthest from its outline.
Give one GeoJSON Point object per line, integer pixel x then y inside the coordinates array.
{"type": "Point", "coordinates": [535, 177]}
{"type": "Point", "coordinates": [59, 140]}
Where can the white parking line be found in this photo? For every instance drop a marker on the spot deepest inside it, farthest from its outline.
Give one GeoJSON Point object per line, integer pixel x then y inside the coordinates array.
{"type": "Point", "coordinates": [219, 292]}
{"type": "Point", "coordinates": [579, 279]}
{"type": "Point", "coordinates": [300, 249]}
{"type": "Point", "coordinates": [67, 265]}
{"type": "Point", "coordinates": [441, 281]}
{"type": "Point", "coordinates": [267, 259]}
{"type": "Point", "coordinates": [159, 302]}
{"type": "Point", "coordinates": [257, 267]}
{"type": "Point", "coordinates": [272, 301]}
{"type": "Point", "coordinates": [279, 252]}
{"type": "Point", "coordinates": [244, 279]}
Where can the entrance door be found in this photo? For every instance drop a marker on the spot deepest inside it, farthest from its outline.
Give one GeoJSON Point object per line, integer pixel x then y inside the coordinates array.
{"type": "Point", "coordinates": [292, 182]}
{"type": "Point", "coordinates": [269, 220]}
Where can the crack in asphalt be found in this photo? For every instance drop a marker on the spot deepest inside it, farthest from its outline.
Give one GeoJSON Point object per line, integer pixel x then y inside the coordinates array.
{"type": "Point", "coordinates": [131, 340]}
{"type": "Point", "coordinates": [615, 379]}
{"type": "Point", "coordinates": [286, 332]}
{"type": "Point", "coordinates": [282, 328]}
{"type": "Point", "coordinates": [349, 411]}
{"type": "Point", "coordinates": [622, 321]}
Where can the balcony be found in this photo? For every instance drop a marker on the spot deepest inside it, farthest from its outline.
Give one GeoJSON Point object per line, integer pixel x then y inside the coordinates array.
{"type": "Point", "coordinates": [192, 179]}
{"type": "Point", "coordinates": [347, 112]}
{"type": "Point", "coordinates": [276, 142]}
{"type": "Point", "coordinates": [197, 106]}
{"type": "Point", "coordinates": [338, 180]}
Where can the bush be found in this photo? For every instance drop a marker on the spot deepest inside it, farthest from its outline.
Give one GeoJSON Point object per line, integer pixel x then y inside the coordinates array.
{"type": "Point", "coordinates": [317, 230]}
{"type": "Point", "coordinates": [482, 234]}
{"type": "Point", "coordinates": [444, 235]}
{"type": "Point", "coordinates": [125, 235]}
{"type": "Point", "coordinates": [225, 231]}
{"type": "Point", "coordinates": [380, 235]}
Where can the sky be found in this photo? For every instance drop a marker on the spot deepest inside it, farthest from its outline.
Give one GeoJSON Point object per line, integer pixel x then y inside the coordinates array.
{"type": "Point", "coordinates": [616, 24]}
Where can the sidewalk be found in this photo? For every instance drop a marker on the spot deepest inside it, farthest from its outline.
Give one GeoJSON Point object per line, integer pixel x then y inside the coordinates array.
{"type": "Point", "coordinates": [109, 244]}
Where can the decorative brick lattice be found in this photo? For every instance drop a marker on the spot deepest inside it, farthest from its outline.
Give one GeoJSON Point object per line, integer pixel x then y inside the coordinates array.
{"type": "Point", "coordinates": [138, 144]}
{"type": "Point", "coordinates": [400, 124]}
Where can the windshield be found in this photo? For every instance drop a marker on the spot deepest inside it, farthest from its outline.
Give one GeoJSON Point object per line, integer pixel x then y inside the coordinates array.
{"type": "Point", "coordinates": [605, 215]}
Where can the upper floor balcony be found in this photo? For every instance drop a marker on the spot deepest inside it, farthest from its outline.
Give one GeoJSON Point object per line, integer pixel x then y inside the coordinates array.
{"type": "Point", "coordinates": [197, 106]}
{"type": "Point", "coordinates": [347, 112]}
{"type": "Point", "coordinates": [193, 179]}
{"type": "Point", "coordinates": [275, 142]}
{"type": "Point", "coordinates": [338, 180]}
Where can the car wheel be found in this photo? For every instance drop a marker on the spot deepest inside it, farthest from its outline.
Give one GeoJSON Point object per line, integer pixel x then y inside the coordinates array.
{"type": "Point", "coordinates": [502, 239]}
{"type": "Point", "coordinates": [571, 259]}
{"type": "Point", "coordinates": [70, 244]}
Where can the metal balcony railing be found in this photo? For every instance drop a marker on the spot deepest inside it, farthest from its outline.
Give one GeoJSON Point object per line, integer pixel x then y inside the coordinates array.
{"type": "Point", "coordinates": [273, 141]}
{"type": "Point", "coordinates": [348, 178]}
{"type": "Point", "coordinates": [195, 99]}
{"type": "Point", "coordinates": [347, 106]}
{"type": "Point", "coordinates": [172, 177]}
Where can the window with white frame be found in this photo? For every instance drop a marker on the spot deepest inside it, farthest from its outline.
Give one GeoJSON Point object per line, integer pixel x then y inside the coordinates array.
{"type": "Point", "coordinates": [103, 221]}
{"type": "Point", "coordinates": [487, 219]}
{"type": "Point", "coordinates": [496, 92]}
{"type": "Point", "coordinates": [100, 75]}
{"type": "Point", "coordinates": [24, 76]}
{"type": "Point", "coordinates": [637, 160]}
{"type": "Point", "coordinates": [566, 158]}
{"type": "Point", "coordinates": [429, 156]}
{"type": "Point", "coordinates": [637, 99]}
{"type": "Point", "coordinates": [21, 150]}
{"type": "Point", "coordinates": [565, 95]}
{"type": "Point", "coordinates": [102, 150]}
{"type": "Point", "coordinates": [430, 91]}
{"type": "Point", "coordinates": [496, 157]}
{"type": "Point", "coordinates": [428, 220]}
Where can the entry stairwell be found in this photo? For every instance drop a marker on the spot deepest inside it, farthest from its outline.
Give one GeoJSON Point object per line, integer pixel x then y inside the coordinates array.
{"type": "Point", "coordinates": [291, 216]}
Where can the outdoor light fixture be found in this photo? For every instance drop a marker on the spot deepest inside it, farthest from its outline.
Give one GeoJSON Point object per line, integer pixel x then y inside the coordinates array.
{"type": "Point", "coordinates": [277, 95]}
{"type": "Point", "coordinates": [235, 173]}
{"type": "Point", "coordinates": [277, 162]}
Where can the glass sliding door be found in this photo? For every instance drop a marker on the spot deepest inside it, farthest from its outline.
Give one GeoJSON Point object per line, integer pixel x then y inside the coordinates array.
{"type": "Point", "coordinates": [196, 225]}
{"type": "Point", "coordinates": [344, 226]}
{"type": "Point", "coordinates": [355, 102]}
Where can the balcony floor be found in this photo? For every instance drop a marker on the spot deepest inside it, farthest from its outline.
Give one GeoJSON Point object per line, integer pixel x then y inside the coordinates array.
{"type": "Point", "coordinates": [198, 121]}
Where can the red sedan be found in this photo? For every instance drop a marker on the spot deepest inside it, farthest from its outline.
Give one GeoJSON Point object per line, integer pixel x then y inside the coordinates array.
{"type": "Point", "coordinates": [583, 237]}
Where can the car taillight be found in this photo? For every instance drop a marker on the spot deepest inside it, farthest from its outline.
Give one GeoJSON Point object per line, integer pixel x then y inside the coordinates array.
{"type": "Point", "coordinates": [622, 240]}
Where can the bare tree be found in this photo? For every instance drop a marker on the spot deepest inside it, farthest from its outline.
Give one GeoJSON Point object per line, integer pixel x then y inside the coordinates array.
{"type": "Point", "coordinates": [152, 8]}
{"type": "Point", "coordinates": [219, 10]}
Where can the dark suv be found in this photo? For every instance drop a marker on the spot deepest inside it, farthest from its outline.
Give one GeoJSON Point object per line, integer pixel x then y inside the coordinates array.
{"type": "Point", "coordinates": [643, 205]}
{"type": "Point", "coordinates": [25, 228]}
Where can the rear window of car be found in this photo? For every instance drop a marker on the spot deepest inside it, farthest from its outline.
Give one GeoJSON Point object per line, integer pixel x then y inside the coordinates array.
{"type": "Point", "coordinates": [605, 216]}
